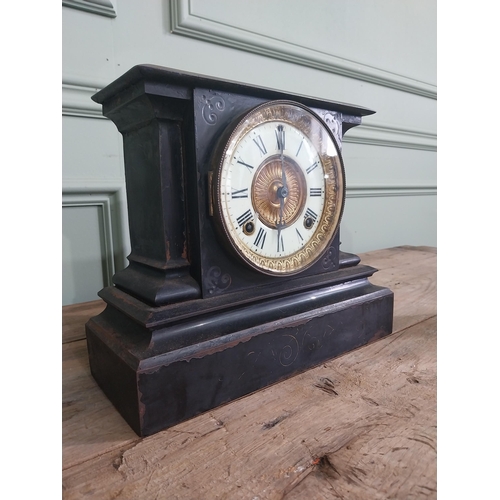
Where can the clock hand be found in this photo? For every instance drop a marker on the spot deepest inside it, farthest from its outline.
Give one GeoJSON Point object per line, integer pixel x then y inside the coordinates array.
{"type": "Point", "coordinates": [283, 190]}
{"type": "Point", "coordinates": [281, 136]}
{"type": "Point", "coordinates": [280, 224]}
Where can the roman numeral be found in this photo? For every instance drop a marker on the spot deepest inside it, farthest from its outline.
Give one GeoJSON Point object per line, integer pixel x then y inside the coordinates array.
{"type": "Point", "coordinates": [239, 193]}
{"type": "Point", "coordinates": [299, 236]}
{"type": "Point", "coordinates": [314, 191]}
{"type": "Point", "coordinates": [244, 218]}
{"type": "Point", "coordinates": [312, 167]}
{"type": "Point", "coordinates": [310, 213]}
{"type": "Point", "coordinates": [300, 146]}
{"type": "Point", "coordinates": [280, 242]}
{"type": "Point", "coordinates": [249, 167]}
{"type": "Point", "coordinates": [260, 239]}
{"type": "Point", "coordinates": [280, 138]}
{"type": "Point", "coordinates": [260, 144]}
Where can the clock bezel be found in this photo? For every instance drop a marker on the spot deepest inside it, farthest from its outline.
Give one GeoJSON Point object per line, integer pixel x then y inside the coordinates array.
{"type": "Point", "coordinates": [301, 117]}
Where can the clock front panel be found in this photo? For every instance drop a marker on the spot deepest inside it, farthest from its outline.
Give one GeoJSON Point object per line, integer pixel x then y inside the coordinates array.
{"type": "Point", "coordinates": [270, 192]}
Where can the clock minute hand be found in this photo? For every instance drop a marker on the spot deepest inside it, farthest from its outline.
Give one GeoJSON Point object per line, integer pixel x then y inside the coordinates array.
{"type": "Point", "coordinates": [283, 190]}
{"type": "Point", "coordinates": [281, 141]}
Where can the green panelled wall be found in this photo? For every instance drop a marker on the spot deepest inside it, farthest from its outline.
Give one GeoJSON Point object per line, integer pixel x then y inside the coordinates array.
{"type": "Point", "coordinates": [381, 55]}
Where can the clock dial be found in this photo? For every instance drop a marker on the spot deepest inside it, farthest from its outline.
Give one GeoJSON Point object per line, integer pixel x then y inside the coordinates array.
{"type": "Point", "coordinates": [278, 188]}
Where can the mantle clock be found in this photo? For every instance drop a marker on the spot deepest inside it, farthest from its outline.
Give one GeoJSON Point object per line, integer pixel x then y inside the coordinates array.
{"type": "Point", "coordinates": [235, 278]}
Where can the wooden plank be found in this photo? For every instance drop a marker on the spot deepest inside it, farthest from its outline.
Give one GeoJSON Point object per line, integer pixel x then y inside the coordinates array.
{"type": "Point", "coordinates": [75, 316]}
{"type": "Point", "coordinates": [91, 425]}
{"type": "Point", "coordinates": [356, 427]}
{"type": "Point", "coordinates": [361, 426]}
{"type": "Point", "coordinates": [410, 272]}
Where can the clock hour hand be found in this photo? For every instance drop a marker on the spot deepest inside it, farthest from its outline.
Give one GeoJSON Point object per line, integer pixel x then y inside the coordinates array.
{"type": "Point", "coordinates": [281, 224]}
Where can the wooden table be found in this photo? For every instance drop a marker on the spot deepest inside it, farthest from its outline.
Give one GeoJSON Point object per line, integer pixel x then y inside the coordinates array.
{"type": "Point", "coordinates": [362, 426]}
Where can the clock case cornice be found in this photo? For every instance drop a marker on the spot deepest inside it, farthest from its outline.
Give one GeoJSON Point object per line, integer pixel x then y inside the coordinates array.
{"type": "Point", "coordinates": [178, 85]}
{"type": "Point", "coordinates": [187, 327]}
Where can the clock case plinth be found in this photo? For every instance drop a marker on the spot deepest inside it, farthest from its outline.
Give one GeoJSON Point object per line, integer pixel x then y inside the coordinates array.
{"type": "Point", "coordinates": [187, 327]}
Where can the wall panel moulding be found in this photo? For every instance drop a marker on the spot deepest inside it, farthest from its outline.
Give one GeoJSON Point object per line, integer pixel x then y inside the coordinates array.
{"type": "Point", "coordinates": [185, 21]}
{"type": "Point", "coordinates": [100, 7]}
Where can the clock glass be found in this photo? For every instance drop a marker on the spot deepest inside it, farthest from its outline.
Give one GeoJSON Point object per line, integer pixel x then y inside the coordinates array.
{"type": "Point", "coordinates": [278, 188]}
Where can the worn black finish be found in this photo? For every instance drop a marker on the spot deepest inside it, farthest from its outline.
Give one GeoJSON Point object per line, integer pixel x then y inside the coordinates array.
{"type": "Point", "coordinates": [189, 364]}
{"type": "Point", "coordinates": [172, 125]}
{"type": "Point", "coordinates": [187, 327]}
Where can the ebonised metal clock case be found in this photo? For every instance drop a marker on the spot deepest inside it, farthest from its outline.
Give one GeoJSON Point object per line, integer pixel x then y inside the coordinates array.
{"type": "Point", "coordinates": [187, 326]}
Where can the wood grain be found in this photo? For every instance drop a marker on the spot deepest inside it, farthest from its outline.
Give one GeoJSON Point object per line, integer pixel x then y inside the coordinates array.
{"type": "Point", "coordinates": [75, 316]}
{"type": "Point", "coordinates": [410, 272]}
{"type": "Point", "coordinates": [361, 426]}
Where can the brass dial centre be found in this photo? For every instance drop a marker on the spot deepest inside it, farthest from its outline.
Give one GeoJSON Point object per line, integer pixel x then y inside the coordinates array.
{"type": "Point", "coordinates": [268, 186]}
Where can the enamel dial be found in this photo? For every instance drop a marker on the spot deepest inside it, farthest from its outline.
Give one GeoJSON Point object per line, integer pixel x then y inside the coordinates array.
{"type": "Point", "coordinates": [278, 188]}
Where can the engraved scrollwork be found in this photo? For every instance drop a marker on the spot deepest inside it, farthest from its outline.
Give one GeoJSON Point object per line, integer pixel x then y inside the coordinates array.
{"type": "Point", "coordinates": [334, 122]}
{"type": "Point", "coordinates": [289, 352]}
{"type": "Point", "coordinates": [310, 342]}
{"type": "Point", "coordinates": [216, 280]}
{"type": "Point", "coordinates": [328, 260]}
{"type": "Point", "coordinates": [250, 361]}
{"type": "Point", "coordinates": [328, 331]}
{"type": "Point", "coordinates": [211, 107]}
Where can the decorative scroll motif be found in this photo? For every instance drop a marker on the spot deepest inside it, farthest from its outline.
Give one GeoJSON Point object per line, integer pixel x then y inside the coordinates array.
{"type": "Point", "coordinates": [212, 107]}
{"type": "Point", "coordinates": [310, 342]}
{"type": "Point", "coordinates": [216, 280]}
{"type": "Point", "coordinates": [333, 121]}
{"type": "Point", "coordinates": [328, 260]}
{"type": "Point", "coordinates": [290, 352]}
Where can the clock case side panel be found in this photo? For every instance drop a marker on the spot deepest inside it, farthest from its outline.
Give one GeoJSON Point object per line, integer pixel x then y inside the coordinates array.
{"type": "Point", "coordinates": [154, 128]}
{"type": "Point", "coordinates": [220, 271]}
